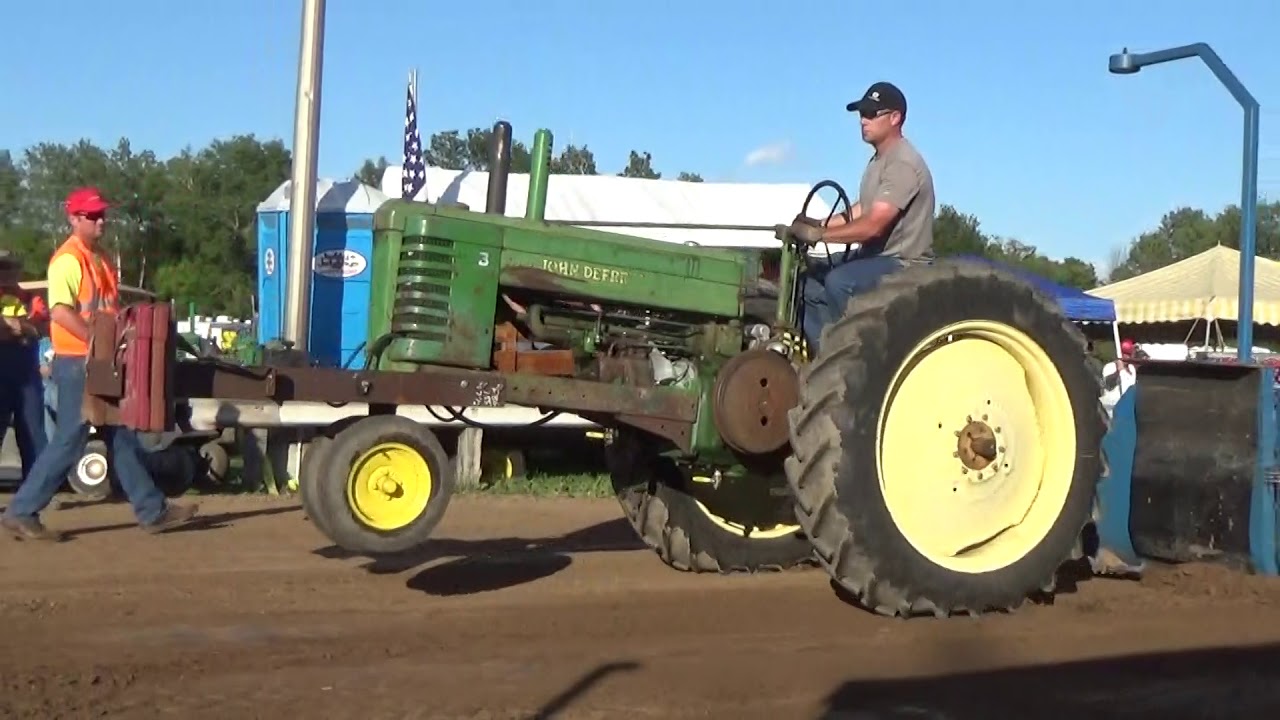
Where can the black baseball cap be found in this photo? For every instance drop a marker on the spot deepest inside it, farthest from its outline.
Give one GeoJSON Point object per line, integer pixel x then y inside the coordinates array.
{"type": "Point", "coordinates": [880, 96]}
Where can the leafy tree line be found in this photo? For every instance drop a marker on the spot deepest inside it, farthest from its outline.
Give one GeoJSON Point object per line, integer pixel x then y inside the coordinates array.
{"type": "Point", "coordinates": [955, 233]}
{"type": "Point", "coordinates": [454, 150]}
{"type": "Point", "coordinates": [185, 226]}
{"type": "Point", "coordinates": [1185, 232]}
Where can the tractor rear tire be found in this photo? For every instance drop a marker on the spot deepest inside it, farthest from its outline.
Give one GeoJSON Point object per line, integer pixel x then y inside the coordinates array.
{"type": "Point", "coordinates": [383, 486]}
{"type": "Point", "coordinates": [672, 522]}
{"type": "Point", "coordinates": [925, 321]}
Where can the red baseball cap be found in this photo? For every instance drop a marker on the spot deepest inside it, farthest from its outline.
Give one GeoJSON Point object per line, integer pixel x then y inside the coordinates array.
{"type": "Point", "coordinates": [1126, 347]}
{"type": "Point", "coordinates": [85, 200]}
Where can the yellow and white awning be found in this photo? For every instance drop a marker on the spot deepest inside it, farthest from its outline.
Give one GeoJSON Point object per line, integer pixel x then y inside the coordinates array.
{"type": "Point", "coordinates": [1201, 287]}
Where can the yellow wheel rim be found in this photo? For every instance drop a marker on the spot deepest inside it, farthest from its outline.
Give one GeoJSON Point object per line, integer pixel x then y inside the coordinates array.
{"type": "Point", "coordinates": [705, 487]}
{"type": "Point", "coordinates": [976, 446]}
{"type": "Point", "coordinates": [389, 486]}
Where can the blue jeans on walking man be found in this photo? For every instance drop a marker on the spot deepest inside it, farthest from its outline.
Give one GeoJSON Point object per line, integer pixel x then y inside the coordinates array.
{"type": "Point", "coordinates": [827, 289]}
{"type": "Point", "coordinates": [22, 401]}
{"type": "Point", "coordinates": [66, 445]}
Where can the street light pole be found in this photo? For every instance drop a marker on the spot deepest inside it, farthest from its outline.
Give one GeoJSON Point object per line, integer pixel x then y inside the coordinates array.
{"type": "Point", "coordinates": [1127, 63]}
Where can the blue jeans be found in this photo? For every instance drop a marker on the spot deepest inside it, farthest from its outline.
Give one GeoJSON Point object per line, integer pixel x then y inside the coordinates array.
{"type": "Point", "coordinates": [50, 406]}
{"type": "Point", "coordinates": [65, 447]}
{"type": "Point", "coordinates": [20, 399]}
{"type": "Point", "coordinates": [827, 289]}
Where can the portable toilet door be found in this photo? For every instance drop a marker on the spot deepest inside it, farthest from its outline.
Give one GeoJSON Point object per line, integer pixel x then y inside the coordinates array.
{"type": "Point", "coordinates": [340, 288]}
{"type": "Point", "coordinates": [273, 231]}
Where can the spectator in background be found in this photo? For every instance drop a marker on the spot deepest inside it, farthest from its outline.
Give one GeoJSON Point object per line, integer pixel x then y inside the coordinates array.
{"type": "Point", "coordinates": [1126, 375]}
{"type": "Point", "coordinates": [21, 391]}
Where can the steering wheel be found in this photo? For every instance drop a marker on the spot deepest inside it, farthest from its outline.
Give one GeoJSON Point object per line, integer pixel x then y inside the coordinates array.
{"type": "Point", "coordinates": [842, 197]}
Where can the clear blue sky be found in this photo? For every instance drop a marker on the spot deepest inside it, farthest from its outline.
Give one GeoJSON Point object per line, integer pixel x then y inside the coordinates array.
{"type": "Point", "coordinates": [1011, 102]}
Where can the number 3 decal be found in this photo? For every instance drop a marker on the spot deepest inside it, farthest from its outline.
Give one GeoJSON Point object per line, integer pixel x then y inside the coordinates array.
{"type": "Point", "coordinates": [484, 259]}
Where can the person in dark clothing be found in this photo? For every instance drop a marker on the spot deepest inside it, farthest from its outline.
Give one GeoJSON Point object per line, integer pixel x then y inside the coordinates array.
{"type": "Point", "coordinates": [21, 387]}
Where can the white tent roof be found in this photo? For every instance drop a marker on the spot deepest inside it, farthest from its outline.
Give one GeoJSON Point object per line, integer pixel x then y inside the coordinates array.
{"type": "Point", "coordinates": [345, 196]}
{"type": "Point", "coordinates": [1201, 287]}
{"type": "Point", "coordinates": [621, 199]}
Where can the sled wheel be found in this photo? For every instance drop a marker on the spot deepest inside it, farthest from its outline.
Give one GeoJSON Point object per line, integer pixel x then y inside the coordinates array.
{"type": "Point", "coordinates": [383, 486]}
{"type": "Point", "coordinates": [216, 462]}
{"type": "Point", "coordinates": [503, 464]}
{"type": "Point", "coordinates": [90, 477]}
{"type": "Point", "coordinates": [744, 525]}
{"type": "Point", "coordinates": [947, 442]}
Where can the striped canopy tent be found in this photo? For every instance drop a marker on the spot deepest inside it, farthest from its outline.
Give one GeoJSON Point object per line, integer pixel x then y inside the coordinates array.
{"type": "Point", "coordinates": [1201, 287]}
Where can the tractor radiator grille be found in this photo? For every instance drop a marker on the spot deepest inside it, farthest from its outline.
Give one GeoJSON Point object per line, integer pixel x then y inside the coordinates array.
{"type": "Point", "coordinates": [423, 281]}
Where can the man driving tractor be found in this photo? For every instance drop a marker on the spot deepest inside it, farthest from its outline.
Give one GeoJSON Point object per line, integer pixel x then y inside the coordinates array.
{"type": "Point", "coordinates": [890, 225]}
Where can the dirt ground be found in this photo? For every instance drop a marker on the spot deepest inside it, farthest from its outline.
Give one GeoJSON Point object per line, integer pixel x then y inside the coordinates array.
{"type": "Point", "coordinates": [545, 608]}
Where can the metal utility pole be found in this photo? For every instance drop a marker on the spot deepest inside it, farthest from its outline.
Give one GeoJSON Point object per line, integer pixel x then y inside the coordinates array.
{"type": "Point", "coordinates": [302, 182]}
{"type": "Point", "coordinates": [1127, 63]}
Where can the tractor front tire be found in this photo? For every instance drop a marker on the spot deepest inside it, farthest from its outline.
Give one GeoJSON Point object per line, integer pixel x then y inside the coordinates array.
{"type": "Point", "coordinates": [382, 487]}
{"type": "Point", "coordinates": [667, 516]}
{"type": "Point", "coordinates": [309, 475]}
{"type": "Point", "coordinates": [947, 443]}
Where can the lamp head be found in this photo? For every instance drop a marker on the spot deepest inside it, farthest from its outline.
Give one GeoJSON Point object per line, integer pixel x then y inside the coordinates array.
{"type": "Point", "coordinates": [1123, 63]}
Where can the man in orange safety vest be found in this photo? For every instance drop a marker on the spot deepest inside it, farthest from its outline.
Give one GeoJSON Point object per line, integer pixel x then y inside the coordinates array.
{"type": "Point", "coordinates": [82, 282]}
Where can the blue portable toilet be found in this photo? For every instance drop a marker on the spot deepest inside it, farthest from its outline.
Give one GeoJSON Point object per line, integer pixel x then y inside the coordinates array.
{"type": "Point", "coordinates": [341, 257]}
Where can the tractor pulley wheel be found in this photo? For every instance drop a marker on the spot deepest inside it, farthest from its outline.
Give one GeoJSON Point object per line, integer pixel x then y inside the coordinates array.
{"type": "Point", "coordinates": [753, 393]}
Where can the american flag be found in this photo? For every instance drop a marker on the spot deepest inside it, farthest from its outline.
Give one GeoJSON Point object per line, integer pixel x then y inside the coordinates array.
{"type": "Point", "coordinates": [413, 173]}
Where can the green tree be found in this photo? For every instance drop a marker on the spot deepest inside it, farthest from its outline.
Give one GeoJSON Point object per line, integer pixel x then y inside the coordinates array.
{"type": "Point", "coordinates": [10, 190]}
{"type": "Point", "coordinates": [574, 160]}
{"type": "Point", "coordinates": [1185, 232]}
{"type": "Point", "coordinates": [453, 150]}
{"type": "Point", "coordinates": [640, 165]}
{"type": "Point", "coordinates": [184, 227]}
{"type": "Point", "coordinates": [371, 172]}
{"type": "Point", "coordinates": [955, 233]}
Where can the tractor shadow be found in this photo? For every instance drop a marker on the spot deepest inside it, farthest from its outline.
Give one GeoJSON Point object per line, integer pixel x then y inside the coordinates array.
{"type": "Point", "coordinates": [199, 523]}
{"type": "Point", "coordinates": [1230, 682]}
{"type": "Point", "coordinates": [478, 566]}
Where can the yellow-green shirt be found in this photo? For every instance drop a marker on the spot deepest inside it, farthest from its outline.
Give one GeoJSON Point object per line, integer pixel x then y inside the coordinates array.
{"type": "Point", "coordinates": [64, 281]}
{"type": "Point", "coordinates": [12, 306]}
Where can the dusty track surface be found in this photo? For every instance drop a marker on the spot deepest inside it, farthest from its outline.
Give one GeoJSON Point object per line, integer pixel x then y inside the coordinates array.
{"type": "Point", "coordinates": [554, 613]}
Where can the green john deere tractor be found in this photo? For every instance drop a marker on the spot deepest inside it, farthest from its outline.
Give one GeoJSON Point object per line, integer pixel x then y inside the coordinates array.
{"type": "Point", "coordinates": [939, 454]}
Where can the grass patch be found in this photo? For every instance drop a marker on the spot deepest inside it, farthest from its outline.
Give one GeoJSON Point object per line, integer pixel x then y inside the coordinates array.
{"type": "Point", "coordinates": [578, 485]}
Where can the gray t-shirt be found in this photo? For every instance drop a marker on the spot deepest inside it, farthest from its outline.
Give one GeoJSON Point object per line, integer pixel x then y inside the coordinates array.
{"type": "Point", "coordinates": [900, 176]}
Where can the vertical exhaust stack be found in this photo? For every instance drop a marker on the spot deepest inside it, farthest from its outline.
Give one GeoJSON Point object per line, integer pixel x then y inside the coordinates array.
{"type": "Point", "coordinates": [536, 208]}
{"type": "Point", "coordinates": [499, 168]}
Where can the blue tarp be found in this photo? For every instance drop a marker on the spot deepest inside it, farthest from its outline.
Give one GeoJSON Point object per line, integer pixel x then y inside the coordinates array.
{"type": "Point", "coordinates": [1077, 304]}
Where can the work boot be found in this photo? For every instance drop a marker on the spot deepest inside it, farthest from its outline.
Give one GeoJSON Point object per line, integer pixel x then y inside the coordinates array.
{"type": "Point", "coordinates": [172, 517]}
{"type": "Point", "coordinates": [29, 529]}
